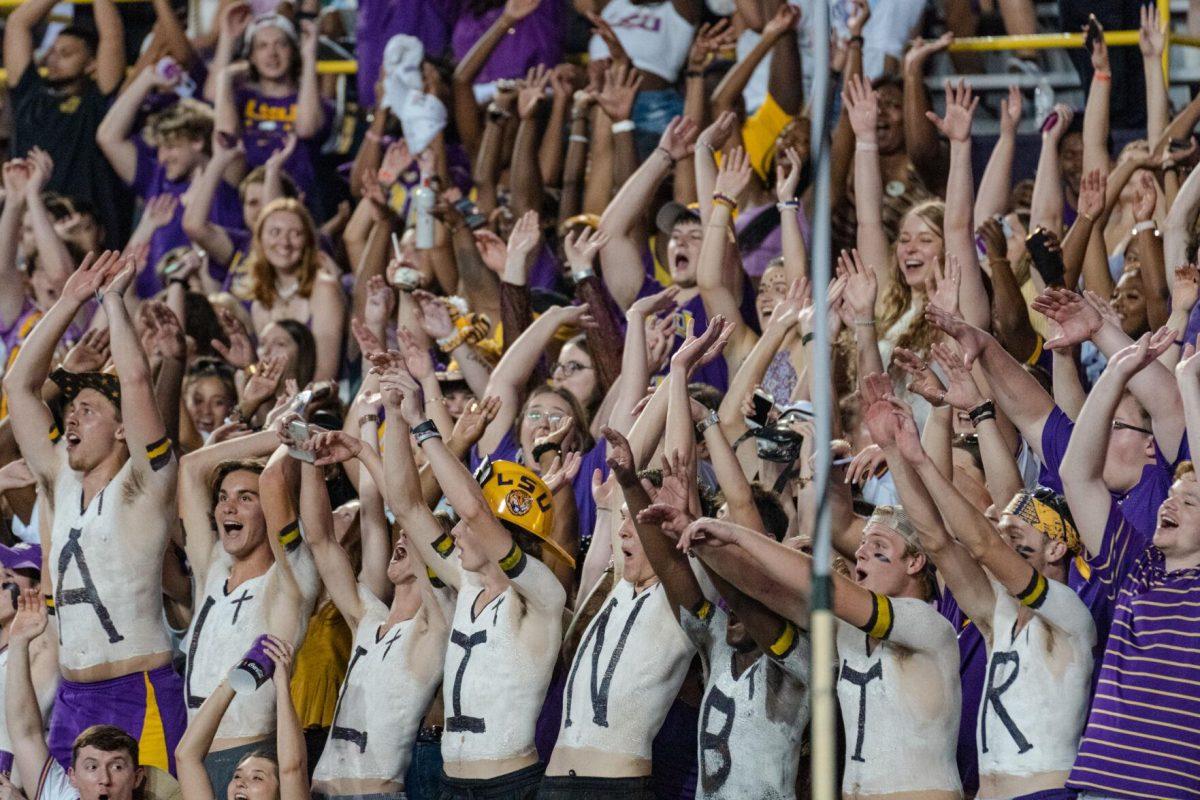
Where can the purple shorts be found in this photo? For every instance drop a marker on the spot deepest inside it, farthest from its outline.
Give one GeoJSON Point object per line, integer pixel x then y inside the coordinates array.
{"type": "Point", "coordinates": [1049, 794]}
{"type": "Point", "coordinates": [146, 705]}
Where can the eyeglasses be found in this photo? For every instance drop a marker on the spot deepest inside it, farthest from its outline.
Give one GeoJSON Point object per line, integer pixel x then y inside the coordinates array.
{"type": "Point", "coordinates": [569, 368]}
{"type": "Point", "coordinates": [552, 417]}
{"type": "Point", "coordinates": [1117, 425]}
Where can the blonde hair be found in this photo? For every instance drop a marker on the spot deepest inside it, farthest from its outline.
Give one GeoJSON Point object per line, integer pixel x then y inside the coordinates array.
{"type": "Point", "coordinates": [895, 518]}
{"type": "Point", "coordinates": [898, 298]}
{"type": "Point", "coordinates": [258, 266]}
{"type": "Point", "coordinates": [187, 119]}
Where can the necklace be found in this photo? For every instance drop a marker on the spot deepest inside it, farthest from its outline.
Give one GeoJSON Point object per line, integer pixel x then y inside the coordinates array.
{"type": "Point", "coordinates": [288, 293]}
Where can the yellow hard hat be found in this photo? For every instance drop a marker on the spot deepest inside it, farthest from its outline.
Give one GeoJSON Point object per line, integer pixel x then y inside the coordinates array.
{"type": "Point", "coordinates": [518, 495]}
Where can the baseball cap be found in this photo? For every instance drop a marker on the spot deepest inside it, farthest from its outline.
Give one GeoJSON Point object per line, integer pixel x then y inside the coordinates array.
{"type": "Point", "coordinates": [21, 555]}
{"type": "Point", "coordinates": [72, 383]}
{"type": "Point", "coordinates": [673, 213]}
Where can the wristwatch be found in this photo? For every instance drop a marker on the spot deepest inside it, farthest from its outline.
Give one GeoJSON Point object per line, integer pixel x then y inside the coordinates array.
{"type": "Point", "coordinates": [707, 422]}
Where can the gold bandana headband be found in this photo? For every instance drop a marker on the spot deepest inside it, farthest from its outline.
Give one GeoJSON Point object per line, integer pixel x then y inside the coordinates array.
{"type": "Point", "coordinates": [1043, 517]}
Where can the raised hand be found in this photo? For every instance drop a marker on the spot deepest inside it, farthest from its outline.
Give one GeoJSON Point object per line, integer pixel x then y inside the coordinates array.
{"type": "Point", "coordinates": [678, 484]}
{"type": "Point", "coordinates": [862, 108]}
{"type": "Point", "coordinates": [922, 380]}
{"type": "Point", "coordinates": [679, 139]}
{"type": "Point", "coordinates": [1092, 187]}
{"type": "Point", "coordinates": [620, 457]}
{"type": "Point", "coordinates": [942, 286]}
{"type": "Point", "coordinates": [1010, 112]}
{"type": "Point", "coordinates": [1185, 286]}
{"type": "Point", "coordinates": [961, 393]}
{"type": "Point", "coordinates": [1062, 121]}
{"type": "Point", "coordinates": [263, 381]}
{"type": "Point", "coordinates": [563, 471]}
{"type": "Point", "coordinates": [787, 177]}
{"type": "Point", "coordinates": [417, 360]}
{"type": "Point", "coordinates": [600, 27]}
{"type": "Point", "coordinates": [525, 237]}
{"type": "Point", "coordinates": [90, 353]}
{"type": "Point", "coordinates": [432, 315]}
{"type": "Point", "coordinates": [474, 420]}
{"type": "Point", "coordinates": [16, 176]}
{"type": "Point", "coordinates": [920, 50]}
{"type": "Point", "coordinates": [868, 463]}
{"type": "Point", "coordinates": [1133, 358]}
{"type": "Point", "coordinates": [31, 618]}
{"type": "Point", "coordinates": [332, 447]}
{"type": "Point", "coordinates": [582, 246]}
{"type": "Point", "coordinates": [657, 303]}
{"type": "Point", "coordinates": [492, 249]}
{"type": "Point", "coordinates": [167, 339]}
{"type": "Point", "coordinates": [717, 134]}
{"type": "Point", "coordinates": [41, 167]}
{"type": "Point", "coordinates": [1189, 363]}
{"type": "Point", "coordinates": [879, 416]}
{"type": "Point", "coordinates": [239, 353]}
{"type": "Point", "coordinates": [710, 40]}
{"type": "Point", "coordinates": [281, 652]}
{"type": "Point", "coordinates": [734, 175]}
{"type": "Point", "coordinates": [710, 532]}
{"type": "Point", "coordinates": [960, 111]}
{"type": "Point", "coordinates": [861, 284]}
{"type": "Point", "coordinates": [120, 275]}
{"type": "Point", "coordinates": [907, 437]}
{"type": "Point", "coordinates": [380, 302]}
{"type": "Point", "coordinates": [557, 436]}
{"type": "Point", "coordinates": [83, 284]}
{"type": "Point", "coordinates": [694, 347]}
{"type": "Point", "coordinates": [234, 19]}
{"type": "Point", "coordinates": [971, 340]}
{"type": "Point", "coordinates": [1076, 320]}
{"type": "Point", "coordinates": [857, 19]}
{"type": "Point", "coordinates": [1099, 51]}
{"type": "Point", "coordinates": [620, 88]}
{"type": "Point", "coordinates": [995, 243]}
{"type": "Point", "coordinates": [786, 17]}
{"type": "Point", "coordinates": [1152, 33]}
{"type": "Point", "coordinates": [1146, 197]}
{"type": "Point", "coordinates": [16, 475]}
{"type": "Point", "coordinates": [532, 91]}
{"type": "Point", "coordinates": [671, 520]}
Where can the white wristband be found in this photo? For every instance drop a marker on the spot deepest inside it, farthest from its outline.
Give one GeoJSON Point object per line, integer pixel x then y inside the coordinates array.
{"type": "Point", "coordinates": [624, 126]}
{"type": "Point", "coordinates": [1148, 225]}
{"type": "Point", "coordinates": [866, 146]}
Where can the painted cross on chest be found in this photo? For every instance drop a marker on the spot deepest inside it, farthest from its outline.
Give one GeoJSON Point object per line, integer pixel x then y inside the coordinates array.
{"type": "Point", "coordinates": [395, 636]}
{"type": "Point", "coordinates": [237, 601]}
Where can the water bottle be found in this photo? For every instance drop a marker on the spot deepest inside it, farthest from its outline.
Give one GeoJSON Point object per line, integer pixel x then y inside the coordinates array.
{"type": "Point", "coordinates": [423, 200]}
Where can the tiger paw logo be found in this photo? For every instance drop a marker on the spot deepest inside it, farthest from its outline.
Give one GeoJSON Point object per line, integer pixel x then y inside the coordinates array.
{"type": "Point", "coordinates": [519, 502]}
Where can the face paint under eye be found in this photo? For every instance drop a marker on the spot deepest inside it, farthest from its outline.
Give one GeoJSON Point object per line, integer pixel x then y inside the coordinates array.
{"type": "Point", "coordinates": [883, 558]}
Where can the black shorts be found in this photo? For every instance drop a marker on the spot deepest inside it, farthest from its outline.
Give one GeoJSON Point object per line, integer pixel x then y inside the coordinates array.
{"type": "Point", "coordinates": [575, 787]}
{"type": "Point", "coordinates": [520, 785]}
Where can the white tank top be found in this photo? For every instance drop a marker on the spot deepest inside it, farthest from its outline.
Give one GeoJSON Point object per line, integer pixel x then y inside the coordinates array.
{"type": "Point", "coordinates": [751, 724]}
{"type": "Point", "coordinates": [389, 684]}
{"type": "Point", "coordinates": [1038, 685]}
{"type": "Point", "coordinates": [107, 561]}
{"type": "Point", "coordinates": [900, 704]}
{"type": "Point", "coordinates": [224, 626]}
{"type": "Point", "coordinates": [627, 670]}
{"type": "Point", "coordinates": [498, 665]}
{"type": "Point", "coordinates": [655, 35]}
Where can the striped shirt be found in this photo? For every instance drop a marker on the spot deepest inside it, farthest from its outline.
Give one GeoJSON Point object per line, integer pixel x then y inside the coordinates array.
{"type": "Point", "coordinates": [1143, 733]}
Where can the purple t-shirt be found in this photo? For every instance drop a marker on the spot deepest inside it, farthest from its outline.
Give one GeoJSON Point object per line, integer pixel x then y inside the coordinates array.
{"type": "Point", "coordinates": [537, 39]}
{"type": "Point", "coordinates": [266, 122]}
{"type": "Point", "coordinates": [150, 180]}
{"type": "Point", "coordinates": [1141, 737]}
{"type": "Point", "coordinates": [716, 372]}
{"type": "Point", "coordinates": [380, 20]}
{"type": "Point", "coordinates": [509, 449]}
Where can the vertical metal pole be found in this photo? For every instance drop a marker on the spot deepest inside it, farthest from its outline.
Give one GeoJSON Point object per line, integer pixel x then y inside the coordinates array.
{"type": "Point", "coordinates": [1164, 14]}
{"type": "Point", "coordinates": [824, 735]}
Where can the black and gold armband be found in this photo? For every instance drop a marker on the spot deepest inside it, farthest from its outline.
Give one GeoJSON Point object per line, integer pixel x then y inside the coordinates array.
{"type": "Point", "coordinates": [879, 625]}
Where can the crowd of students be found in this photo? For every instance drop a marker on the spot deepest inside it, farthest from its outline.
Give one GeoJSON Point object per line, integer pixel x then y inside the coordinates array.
{"type": "Point", "coordinates": [451, 435]}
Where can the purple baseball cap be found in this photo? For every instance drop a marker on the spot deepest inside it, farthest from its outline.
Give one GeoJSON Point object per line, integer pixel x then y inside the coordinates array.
{"type": "Point", "coordinates": [22, 555]}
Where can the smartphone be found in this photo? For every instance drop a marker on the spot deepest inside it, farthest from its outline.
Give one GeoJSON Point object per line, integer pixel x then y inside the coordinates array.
{"type": "Point", "coordinates": [1180, 144]}
{"type": "Point", "coordinates": [1050, 121]}
{"type": "Point", "coordinates": [298, 430]}
{"type": "Point", "coordinates": [763, 403]}
{"type": "Point", "coordinates": [1093, 34]}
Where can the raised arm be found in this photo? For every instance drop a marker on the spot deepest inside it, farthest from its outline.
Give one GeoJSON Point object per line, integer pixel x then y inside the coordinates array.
{"type": "Point", "coordinates": [621, 258]}
{"type": "Point", "coordinates": [12, 285]}
{"type": "Point", "coordinates": [960, 200]}
{"type": "Point", "coordinates": [207, 235]}
{"type": "Point", "coordinates": [715, 272]}
{"type": "Point", "coordinates": [337, 573]}
{"type": "Point", "coordinates": [1096, 110]}
{"type": "Point", "coordinates": [110, 52]}
{"type": "Point", "coordinates": [19, 49]}
{"type": "Point", "coordinates": [776, 30]}
{"type": "Point", "coordinates": [52, 255]}
{"type": "Point", "coordinates": [22, 713]}
{"type": "Point", "coordinates": [195, 497]}
{"type": "Point", "coordinates": [1082, 467]}
{"type": "Point", "coordinates": [194, 783]}
{"type": "Point", "coordinates": [1187, 373]}
{"type": "Point", "coordinates": [24, 380]}
{"type": "Point", "coordinates": [145, 433]}
{"type": "Point", "coordinates": [290, 749]}
{"type": "Point", "coordinates": [862, 105]}
{"type": "Point", "coordinates": [1151, 41]}
{"type": "Point", "coordinates": [996, 183]}
{"type": "Point", "coordinates": [920, 134]}
{"type": "Point", "coordinates": [114, 133]}
{"type": "Point", "coordinates": [310, 112]}
{"type": "Point", "coordinates": [1046, 208]}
